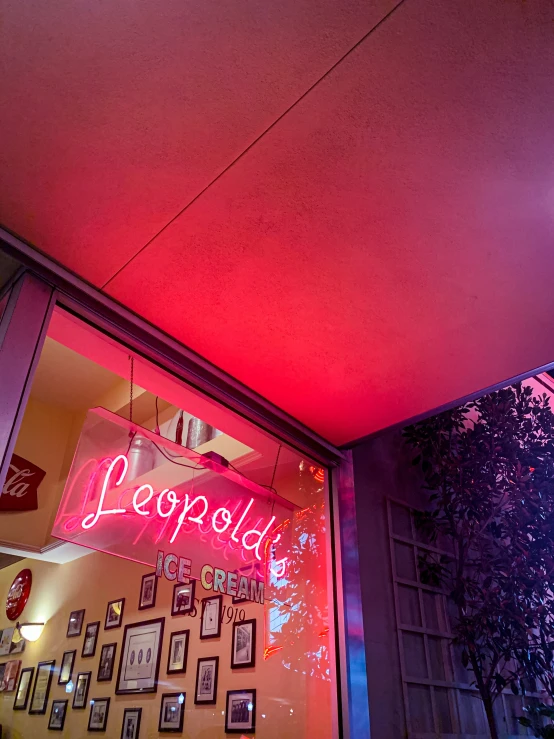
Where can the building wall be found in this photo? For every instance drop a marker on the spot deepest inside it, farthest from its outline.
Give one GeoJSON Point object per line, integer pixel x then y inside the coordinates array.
{"type": "Point", "coordinates": [381, 470]}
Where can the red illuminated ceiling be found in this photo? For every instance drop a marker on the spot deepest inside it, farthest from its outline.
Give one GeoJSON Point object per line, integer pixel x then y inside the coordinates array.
{"type": "Point", "coordinates": [361, 232]}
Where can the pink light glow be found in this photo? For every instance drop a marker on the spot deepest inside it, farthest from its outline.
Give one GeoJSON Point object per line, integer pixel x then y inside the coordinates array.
{"type": "Point", "coordinates": [193, 510]}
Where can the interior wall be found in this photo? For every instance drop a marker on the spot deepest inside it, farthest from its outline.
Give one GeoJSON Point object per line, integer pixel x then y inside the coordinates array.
{"type": "Point", "coordinates": [382, 470]}
{"type": "Point", "coordinates": [289, 702]}
{"type": "Point", "coordinates": [45, 436]}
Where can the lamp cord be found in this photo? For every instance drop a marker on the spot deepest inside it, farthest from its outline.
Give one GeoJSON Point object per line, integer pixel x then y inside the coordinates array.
{"type": "Point", "coordinates": [131, 389]}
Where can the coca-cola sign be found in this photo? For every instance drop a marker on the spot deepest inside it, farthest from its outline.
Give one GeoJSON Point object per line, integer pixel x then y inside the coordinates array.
{"type": "Point", "coordinates": [20, 489]}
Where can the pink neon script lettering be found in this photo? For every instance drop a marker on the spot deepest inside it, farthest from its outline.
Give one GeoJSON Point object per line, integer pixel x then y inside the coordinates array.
{"type": "Point", "coordinates": [186, 508]}
{"type": "Point", "coordinates": [89, 521]}
{"type": "Point", "coordinates": [194, 510]}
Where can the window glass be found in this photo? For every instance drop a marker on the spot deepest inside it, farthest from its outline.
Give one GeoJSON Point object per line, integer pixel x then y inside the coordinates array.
{"type": "Point", "coordinates": [207, 661]}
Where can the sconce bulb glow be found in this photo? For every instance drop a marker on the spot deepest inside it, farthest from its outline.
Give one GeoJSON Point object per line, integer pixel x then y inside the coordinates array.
{"type": "Point", "coordinates": [30, 631]}
{"type": "Point", "coordinates": [69, 687]}
{"type": "Point", "coordinates": [181, 699]}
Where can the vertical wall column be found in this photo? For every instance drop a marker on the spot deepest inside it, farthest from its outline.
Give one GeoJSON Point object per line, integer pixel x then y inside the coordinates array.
{"type": "Point", "coordinates": [354, 689]}
{"type": "Point", "coordinates": [23, 325]}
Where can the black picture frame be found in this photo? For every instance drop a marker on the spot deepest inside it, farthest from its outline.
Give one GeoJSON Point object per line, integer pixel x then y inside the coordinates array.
{"type": "Point", "coordinates": [105, 671]}
{"type": "Point", "coordinates": [151, 602]}
{"type": "Point", "coordinates": [124, 734]}
{"type": "Point", "coordinates": [109, 611]}
{"type": "Point", "coordinates": [53, 713]}
{"type": "Point", "coordinates": [183, 669]}
{"type": "Point", "coordinates": [41, 667]}
{"type": "Point", "coordinates": [86, 652]}
{"type": "Point", "coordinates": [75, 623]}
{"type": "Point", "coordinates": [162, 721]}
{"type": "Point", "coordinates": [175, 611]}
{"type": "Point", "coordinates": [71, 655]}
{"type": "Point", "coordinates": [213, 699]}
{"type": "Point", "coordinates": [158, 623]}
{"type": "Point", "coordinates": [81, 704]}
{"type": "Point", "coordinates": [93, 704]}
{"type": "Point", "coordinates": [28, 682]}
{"type": "Point", "coordinates": [229, 728]}
{"type": "Point", "coordinates": [205, 603]}
{"type": "Point", "coordinates": [237, 631]}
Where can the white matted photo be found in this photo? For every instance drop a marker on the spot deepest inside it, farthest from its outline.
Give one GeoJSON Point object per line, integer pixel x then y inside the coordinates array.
{"type": "Point", "coordinates": [206, 680]}
{"type": "Point", "coordinates": [148, 588]}
{"type": "Point", "coordinates": [244, 644]}
{"type": "Point", "coordinates": [91, 637]}
{"type": "Point", "coordinates": [172, 711]}
{"type": "Point", "coordinates": [82, 685]}
{"type": "Point", "coordinates": [107, 659]}
{"type": "Point", "coordinates": [114, 614]}
{"type": "Point", "coordinates": [75, 623]}
{"type": "Point", "coordinates": [210, 625]}
{"type": "Point", "coordinates": [130, 728]}
{"type": "Point", "coordinates": [139, 663]}
{"type": "Point", "coordinates": [183, 598]}
{"type": "Point", "coordinates": [57, 715]}
{"type": "Point", "coordinates": [240, 714]}
{"type": "Point", "coordinates": [41, 688]}
{"type": "Point", "coordinates": [66, 670]}
{"type": "Point", "coordinates": [98, 717]}
{"type": "Point", "coordinates": [22, 693]}
{"type": "Point", "coordinates": [178, 652]}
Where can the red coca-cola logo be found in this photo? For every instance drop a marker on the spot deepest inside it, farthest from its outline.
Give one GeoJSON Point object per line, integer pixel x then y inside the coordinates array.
{"type": "Point", "coordinates": [20, 489]}
{"type": "Point", "coordinates": [18, 594]}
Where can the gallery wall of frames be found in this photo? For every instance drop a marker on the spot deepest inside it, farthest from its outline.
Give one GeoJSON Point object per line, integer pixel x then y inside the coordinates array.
{"type": "Point", "coordinates": [132, 655]}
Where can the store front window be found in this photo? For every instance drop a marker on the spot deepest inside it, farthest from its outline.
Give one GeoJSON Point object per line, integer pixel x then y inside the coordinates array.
{"type": "Point", "coordinates": [180, 558]}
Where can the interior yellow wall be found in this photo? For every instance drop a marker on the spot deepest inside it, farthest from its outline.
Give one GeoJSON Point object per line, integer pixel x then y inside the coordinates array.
{"type": "Point", "coordinates": [90, 583]}
{"type": "Point", "coordinates": [44, 438]}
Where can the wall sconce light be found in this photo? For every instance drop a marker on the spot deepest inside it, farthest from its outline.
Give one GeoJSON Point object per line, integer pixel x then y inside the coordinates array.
{"type": "Point", "coordinates": [30, 631]}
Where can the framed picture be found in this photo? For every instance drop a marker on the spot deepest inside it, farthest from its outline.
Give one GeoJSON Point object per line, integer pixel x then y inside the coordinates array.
{"type": "Point", "coordinates": [57, 715]}
{"type": "Point", "coordinates": [82, 684]}
{"type": "Point", "coordinates": [172, 712]}
{"type": "Point", "coordinates": [240, 713]}
{"type": "Point", "coordinates": [11, 673]}
{"type": "Point", "coordinates": [131, 723]}
{"type": "Point", "coordinates": [183, 598]}
{"type": "Point", "coordinates": [98, 717]}
{"type": "Point", "coordinates": [178, 652]}
{"type": "Point", "coordinates": [22, 693]}
{"type": "Point", "coordinates": [2, 673]}
{"type": "Point", "coordinates": [114, 614]}
{"type": "Point", "coordinates": [66, 670]}
{"type": "Point", "coordinates": [41, 688]}
{"type": "Point", "coordinates": [139, 664]}
{"type": "Point", "coordinates": [16, 647]}
{"type": "Point", "coordinates": [75, 623]}
{"type": "Point", "coordinates": [244, 644]}
{"type": "Point", "coordinates": [148, 589]}
{"type": "Point", "coordinates": [206, 680]}
{"type": "Point", "coordinates": [91, 637]}
{"type": "Point", "coordinates": [107, 660]}
{"type": "Point", "coordinates": [210, 625]}
{"type": "Point", "coordinates": [6, 636]}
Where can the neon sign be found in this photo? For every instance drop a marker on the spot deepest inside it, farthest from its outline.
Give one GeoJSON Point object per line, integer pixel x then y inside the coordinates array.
{"type": "Point", "coordinates": [180, 500]}
{"type": "Point", "coordinates": [195, 510]}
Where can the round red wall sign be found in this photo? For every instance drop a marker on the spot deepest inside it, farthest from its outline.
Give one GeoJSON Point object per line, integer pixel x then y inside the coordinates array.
{"type": "Point", "coordinates": [18, 594]}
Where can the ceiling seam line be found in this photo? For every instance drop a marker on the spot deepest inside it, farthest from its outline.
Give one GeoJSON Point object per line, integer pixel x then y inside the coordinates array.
{"type": "Point", "coordinates": [257, 139]}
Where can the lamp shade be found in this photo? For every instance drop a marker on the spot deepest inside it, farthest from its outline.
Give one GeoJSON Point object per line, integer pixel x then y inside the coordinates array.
{"type": "Point", "coordinates": [31, 631]}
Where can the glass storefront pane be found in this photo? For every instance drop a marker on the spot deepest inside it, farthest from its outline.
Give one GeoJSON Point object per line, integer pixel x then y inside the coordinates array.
{"type": "Point", "coordinates": [213, 655]}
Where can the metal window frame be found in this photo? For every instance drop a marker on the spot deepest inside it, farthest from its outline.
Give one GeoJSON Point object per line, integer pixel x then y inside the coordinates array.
{"type": "Point", "coordinates": [103, 313]}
